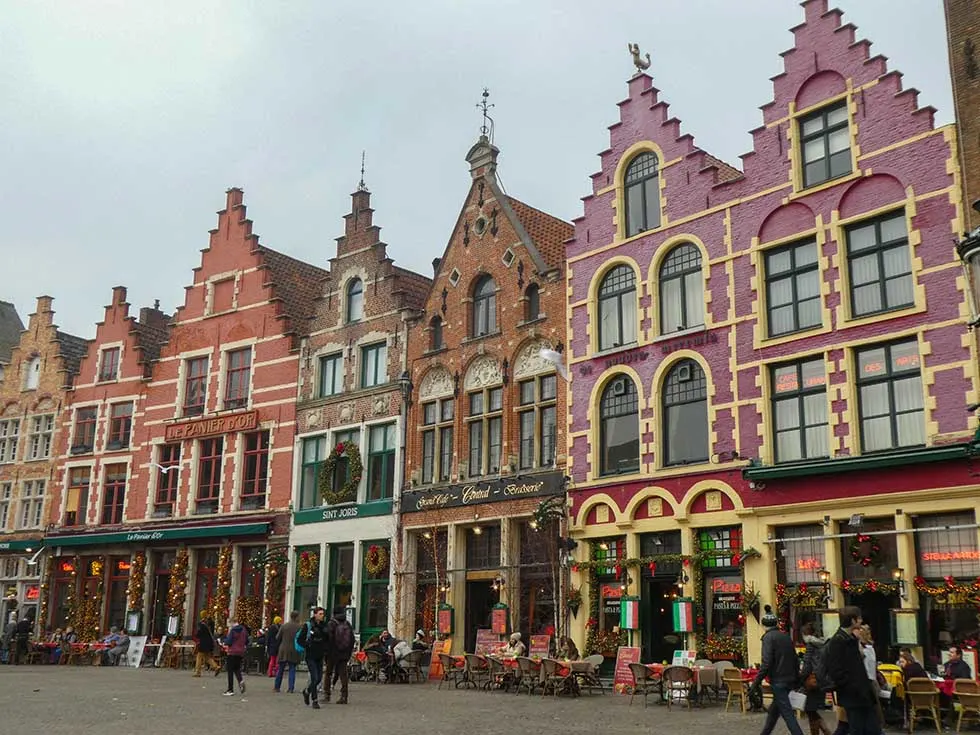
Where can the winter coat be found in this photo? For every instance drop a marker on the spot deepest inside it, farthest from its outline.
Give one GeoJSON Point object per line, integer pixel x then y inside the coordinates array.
{"type": "Point", "coordinates": [845, 666]}
{"type": "Point", "coordinates": [237, 640]}
{"type": "Point", "coordinates": [814, 648]}
{"type": "Point", "coordinates": [272, 640]}
{"type": "Point", "coordinates": [287, 643]}
{"type": "Point", "coordinates": [336, 654]}
{"type": "Point", "coordinates": [316, 639]}
{"type": "Point", "coordinates": [779, 661]}
{"type": "Point", "coordinates": [205, 638]}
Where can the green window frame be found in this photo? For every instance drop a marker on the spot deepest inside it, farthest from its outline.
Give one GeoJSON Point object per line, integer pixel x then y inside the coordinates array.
{"type": "Point", "coordinates": [314, 454]}
{"type": "Point", "coordinates": [374, 591]}
{"type": "Point", "coordinates": [381, 462]}
{"type": "Point", "coordinates": [374, 365]}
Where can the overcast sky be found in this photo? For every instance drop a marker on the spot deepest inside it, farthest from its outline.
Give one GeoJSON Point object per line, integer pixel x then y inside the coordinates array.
{"type": "Point", "coordinates": [123, 123]}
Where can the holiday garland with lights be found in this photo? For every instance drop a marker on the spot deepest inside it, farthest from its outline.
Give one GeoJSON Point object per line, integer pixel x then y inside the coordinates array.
{"type": "Point", "coordinates": [45, 586]}
{"type": "Point", "coordinates": [376, 561]}
{"type": "Point", "coordinates": [274, 560]}
{"type": "Point", "coordinates": [88, 610]}
{"type": "Point", "coordinates": [71, 600]}
{"type": "Point", "coordinates": [308, 566]}
{"type": "Point", "coordinates": [970, 591]}
{"type": "Point", "coordinates": [137, 582]}
{"type": "Point", "coordinates": [177, 592]}
{"type": "Point", "coordinates": [871, 585]}
{"type": "Point", "coordinates": [248, 612]}
{"type": "Point", "coordinates": [221, 602]}
{"type": "Point", "coordinates": [347, 493]}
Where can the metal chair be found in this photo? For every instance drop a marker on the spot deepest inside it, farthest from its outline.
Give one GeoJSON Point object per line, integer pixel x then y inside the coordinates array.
{"type": "Point", "coordinates": [645, 682]}
{"type": "Point", "coordinates": [530, 678]}
{"type": "Point", "coordinates": [923, 702]}
{"type": "Point", "coordinates": [477, 671]}
{"type": "Point", "coordinates": [967, 691]}
{"type": "Point", "coordinates": [412, 665]}
{"type": "Point", "coordinates": [450, 672]}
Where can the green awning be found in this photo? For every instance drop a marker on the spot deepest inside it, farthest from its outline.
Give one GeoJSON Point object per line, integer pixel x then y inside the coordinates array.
{"type": "Point", "coordinates": [152, 535]}
{"type": "Point", "coordinates": [21, 545]}
{"type": "Point", "coordinates": [902, 458]}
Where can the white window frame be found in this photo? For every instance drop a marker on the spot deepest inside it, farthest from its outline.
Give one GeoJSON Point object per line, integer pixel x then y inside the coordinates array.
{"type": "Point", "coordinates": [39, 438]}
{"type": "Point", "coordinates": [9, 439]}
{"type": "Point", "coordinates": [31, 503]}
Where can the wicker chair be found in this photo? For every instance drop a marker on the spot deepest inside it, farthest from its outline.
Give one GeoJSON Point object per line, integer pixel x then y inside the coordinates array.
{"type": "Point", "coordinates": [530, 678]}
{"type": "Point", "coordinates": [967, 691]}
{"type": "Point", "coordinates": [477, 671]}
{"type": "Point", "coordinates": [645, 682]}
{"type": "Point", "coordinates": [923, 702]}
{"type": "Point", "coordinates": [592, 680]}
{"type": "Point", "coordinates": [500, 675]}
{"type": "Point", "coordinates": [678, 681]}
{"type": "Point", "coordinates": [552, 681]}
{"type": "Point", "coordinates": [738, 688]}
{"type": "Point", "coordinates": [450, 671]}
{"type": "Point", "coordinates": [412, 665]}
{"type": "Point", "coordinates": [372, 665]}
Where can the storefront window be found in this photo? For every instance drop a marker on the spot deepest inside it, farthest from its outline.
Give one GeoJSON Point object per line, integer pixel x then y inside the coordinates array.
{"type": "Point", "coordinates": [161, 588]}
{"type": "Point", "coordinates": [859, 548]}
{"type": "Point", "coordinates": [719, 539]}
{"type": "Point", "coordinates": [306, 579]}
{"type": "Point", "coordinates": [537, 580]}
{"type": "Point", "coordinates": [610, 588]}
{"type": "Point", "coordinates": [799, 559]}
{"type": "Point", "coordinates": [64, 584]}
{"type": "Point", "coordinates": [341, 575]}
{"type": "Point", "coordinates": [722, 581]}
{"type": "Point", "coordinates": [430, 568]}
{"type": "Point", "coordinates": [206, 583]}
{"type": "Point", "coordinates": [253, 575]}
{"type": "Point", "coordinates": [118, 582]}
{"type": "Point", "coordinates": [314, 454]}
{"type": "Point", "coordinates": [375, 573]}
{"type": "Point", "coordinates": [483, 547]}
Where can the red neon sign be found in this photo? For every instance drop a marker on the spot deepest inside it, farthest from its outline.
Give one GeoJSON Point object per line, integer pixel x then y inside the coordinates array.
{"type": "Point", "coordinates": [67, 566]}
{"type": "Point", "coordinates": [720, 586]}
{"type": "Point", "coordinates": [33, 592]}
{"type": "Point", "coordinates": [950, 555]}
{"type": "Point", "coordinates": [808, 563]}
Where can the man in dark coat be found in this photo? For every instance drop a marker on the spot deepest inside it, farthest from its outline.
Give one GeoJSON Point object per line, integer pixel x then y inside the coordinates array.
{"type": "Point", "coordinates": [314, 639]}
{"type": "Point", "coordinates": [23, 634]}
{"type": "Point", "coordinates": [956, 667]}
{"type": "Point", "coordinates": [781, 666]}
{"type": "Point", "coordinates": [287, 654]}
{"type": "Point", "coordinates": [205, 647]}
{"type": "Point", "coordinates": [340, 647]}
{"type": "Point", "coordinates": [845, 668]}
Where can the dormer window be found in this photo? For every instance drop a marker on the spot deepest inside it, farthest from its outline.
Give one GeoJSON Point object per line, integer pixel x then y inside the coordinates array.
{"type": "Point", "coordinates": [355, 301]}
{"type": "Point", "coordinates": [109, 365]}
{"type": "Point", "coordinates": [825, 145]}
{"type": "Point", "coordinates": [642, 194]}
{"type": "Point", "coordinates": [484, 307]}
{"type": "Point", "coordinates": [32, 372]}
{"type": "Point", "coordinates": [532, 303]}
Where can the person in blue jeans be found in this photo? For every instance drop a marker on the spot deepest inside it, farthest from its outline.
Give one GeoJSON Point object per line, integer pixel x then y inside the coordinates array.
{"type": "Point", "coordinates": [781, 666]}
{"type": "Point", "coordinates": [313, 637]}
{"type": "Point", "coordinates": [288, 655]}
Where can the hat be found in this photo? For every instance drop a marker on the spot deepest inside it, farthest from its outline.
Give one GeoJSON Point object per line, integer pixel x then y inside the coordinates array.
{"type": "Point", "coordinates": [277, 620]}
{"type": "Point", "coordinates": [515, 636]}
{"type": "Point", "coordinates": [769, 619]}
{"type": "Point", "coordinates": [419, 633]}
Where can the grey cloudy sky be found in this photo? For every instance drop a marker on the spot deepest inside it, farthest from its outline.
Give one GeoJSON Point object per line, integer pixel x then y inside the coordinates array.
{"type": "Point", "coordinates": [124, 122]}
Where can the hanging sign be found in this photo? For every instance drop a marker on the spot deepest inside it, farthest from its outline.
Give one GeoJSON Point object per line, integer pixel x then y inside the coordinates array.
{"type": "Point", "coordinates": [683, 615]}
{"type": "Point", "coordinates": [629, 613]}
{"type": "Point", "coordinates": [499, 619]}
{"type": "Point", "coordinates": [540, 646]}
{"type": "Point", "coordinates": [445, 622]}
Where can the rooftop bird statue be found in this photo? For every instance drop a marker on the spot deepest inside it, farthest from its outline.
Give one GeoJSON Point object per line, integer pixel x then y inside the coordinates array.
{"type": "Point", "coordinates": [639, 63]}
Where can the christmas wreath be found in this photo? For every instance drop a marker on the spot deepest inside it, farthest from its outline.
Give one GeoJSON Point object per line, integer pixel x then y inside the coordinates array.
{"type": "Point", "coordinates": [865, 549]}
{"type": "Point", "coordinates": [376, 560]}
{"type": "Point", "coordinates": [348, 491]}
{"type": "Point", "coordinates": [309, 565]}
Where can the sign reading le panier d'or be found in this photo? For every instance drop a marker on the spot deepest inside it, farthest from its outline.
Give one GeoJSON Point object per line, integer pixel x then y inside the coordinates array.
{"type": "Point", "coordinates": [490, 491]}
{"type": "Point", "coordinates": [244, 421]}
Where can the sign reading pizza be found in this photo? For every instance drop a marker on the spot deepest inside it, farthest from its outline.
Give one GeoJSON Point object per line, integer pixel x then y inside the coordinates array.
{"type": "Point", "coordinates": [245, 421]}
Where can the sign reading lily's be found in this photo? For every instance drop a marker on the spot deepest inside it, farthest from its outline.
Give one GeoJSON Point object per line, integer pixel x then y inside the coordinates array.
{"type": "Point", "coordinates": [475, 493]}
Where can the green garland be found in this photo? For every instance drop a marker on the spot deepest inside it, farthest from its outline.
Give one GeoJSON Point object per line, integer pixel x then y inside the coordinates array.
{"type": "Point", "coordinates": [355, 469]}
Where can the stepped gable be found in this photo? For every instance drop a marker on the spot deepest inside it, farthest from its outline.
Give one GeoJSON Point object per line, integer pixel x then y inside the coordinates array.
{"type": "Point", "coordinates": [72, 349]}
{"type": "Point", "coordinates": [297, 285]}
{"type": "Point", "coordinates": [548, 233]}
{"type": "Point", "coordinates": [10, 329]}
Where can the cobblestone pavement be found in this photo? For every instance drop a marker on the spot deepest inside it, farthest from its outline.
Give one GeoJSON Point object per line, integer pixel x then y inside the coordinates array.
{"type": "Point", "coordinates": [82, 700]}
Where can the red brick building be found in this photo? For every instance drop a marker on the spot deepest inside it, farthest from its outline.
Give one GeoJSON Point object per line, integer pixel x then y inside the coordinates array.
{"type": "Point", "coordinates": [209, 483]}
{"type": "Point", "coordinates": [344, 523]}
{"type": "Point", "coordinates": [487, 416]}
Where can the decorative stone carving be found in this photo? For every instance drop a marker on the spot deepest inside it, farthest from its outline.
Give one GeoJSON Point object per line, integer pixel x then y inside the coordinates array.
{"type": "Point", "coordinates": [312, 419]}
{"type": "Point", "coordinates": [712, 500]}
{"type": "Point", "coordinates": [529, 361]}
{"type": "Point", "coordinates": [483, 372]}
{"type": "Point", "coordinates": [347, 413]}
{"type": "Point", "coordinates": [45, 404]}
{"type": "Point", "coordinates": [436, 384]}
{"type": "Point", "coordinates": [379, 405]}
{"type": "Point", "coordinates": [655, 507]}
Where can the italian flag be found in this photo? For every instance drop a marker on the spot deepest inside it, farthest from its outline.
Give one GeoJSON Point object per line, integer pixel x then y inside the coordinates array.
{"type": "Point", "coordinates": [683, 616]}
{"type": "Point", "coordinates": [629, 613]}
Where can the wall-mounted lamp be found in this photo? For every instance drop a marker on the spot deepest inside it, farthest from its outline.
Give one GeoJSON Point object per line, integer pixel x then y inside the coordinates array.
{"type": "Point", "coordinates": [856, 520]}
{"type": "Point", "coordinates": [498, 584]}
{"type": "Point", "coordinates": [405, 386]}
{"type": "Point", "coordinates": [898, 574]}
{"type": "Point", "coordinates": [826, 521]}
{"type": "Point", "coordinates": [824, 576]}
{"type": "Point", "coordinates": [477, 530]}
{"type": "Point", "coordinates": [627, 581]}
{"type": "Point", "coordinates": [681, 580]}
{"type": "Point", "coordinates": [445, 587]}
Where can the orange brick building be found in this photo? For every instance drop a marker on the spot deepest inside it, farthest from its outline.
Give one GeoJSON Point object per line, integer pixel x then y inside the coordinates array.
{"type": "Point", "coordinates": [487, 414]}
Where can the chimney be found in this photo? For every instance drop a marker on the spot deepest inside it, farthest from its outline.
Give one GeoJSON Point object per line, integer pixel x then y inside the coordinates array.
{"type": "Point", "coordinates": [44, 304]}
{"type": "Point", "coordinates": [118, 295]}
{"type": "Point", "coordinates": [482, 158]}
{"type": "Point", "coordinates": [153, 317]}
{"type": "Point", "coordinates": [435, 265]}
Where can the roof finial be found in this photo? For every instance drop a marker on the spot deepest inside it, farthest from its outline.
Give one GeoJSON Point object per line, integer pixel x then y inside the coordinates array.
{"type": "Point", "coordinates": [486, 130]}
{"type": "Point", "coordinates": [639, 63]}
{"type": "Point", "coordinates": [361, 186]}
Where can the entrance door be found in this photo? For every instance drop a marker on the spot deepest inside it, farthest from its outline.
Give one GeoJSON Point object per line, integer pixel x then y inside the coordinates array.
{"type": "Point", "coordinates": [161, 588]}
{"type": "Point", "coordinates": [657, 621]}
{"type": "Point", "coordinates": [874, 609]}
{"type": "Point", "coordinates": [479, 604]}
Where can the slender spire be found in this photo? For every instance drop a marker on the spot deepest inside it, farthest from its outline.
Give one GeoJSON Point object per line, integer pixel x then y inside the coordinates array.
{"type": "Point", "coordinates": [486, 130]}
{"type": "Point", "coordinates": [361, 186]}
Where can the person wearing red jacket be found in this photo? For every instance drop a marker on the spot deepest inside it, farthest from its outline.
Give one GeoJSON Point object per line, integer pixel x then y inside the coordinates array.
{"type": "Point", "coordinates": [235, 643]}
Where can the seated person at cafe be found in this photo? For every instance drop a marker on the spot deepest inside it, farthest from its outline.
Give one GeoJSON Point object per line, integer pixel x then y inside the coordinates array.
{"type": "Point", "coordinates": [515, 647]}
{"type": "Point", "coordinates": [956, 667]}
{"type": "Point", "coordinates": [568, 651]}
{"type": "Point", "coordinates": [911, 669]}
{"type": "Point", "coordinates": [118, 650]}
{"type": "Point", "coordinates": [112, 637]}
{"type": "Point", "coordinates": [419, 644]}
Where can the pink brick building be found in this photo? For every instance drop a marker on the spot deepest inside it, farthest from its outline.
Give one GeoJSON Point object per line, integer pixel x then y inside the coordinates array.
{"type": "Point", "coordinates": [770, 363]}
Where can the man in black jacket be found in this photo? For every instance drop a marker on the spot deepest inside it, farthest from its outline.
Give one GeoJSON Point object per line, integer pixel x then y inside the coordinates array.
{"type": "Point", "coordinates": [781, 666]}
{"type": "Point", "coordinates": [845, 668]}
{"type": "Point", "coordinates": [956, 667]}
{"type": "Point", "coordinates": [313, 637]}
{"type": "Point", "coordinates": [340, 647]}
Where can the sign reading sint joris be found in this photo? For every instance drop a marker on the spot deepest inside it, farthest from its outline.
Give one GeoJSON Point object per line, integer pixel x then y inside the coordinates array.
{"type": "Point", "coordinates": [474, 493]}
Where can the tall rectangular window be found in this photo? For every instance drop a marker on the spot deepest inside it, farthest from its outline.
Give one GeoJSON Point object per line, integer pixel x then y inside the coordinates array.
{"type": "Point", "coordinates": [483, 547]}
{"type": "Point", "coordinates": [381, 462]}
{"type": "Point", "coordinates": [890, 397]}
{"type": "Point", "coordinates": [486, 431]}
{"type": "Point", "coordinates": [113, 494]}
{"type": "Point", "coordinates": [331, 375]}
{"type": "Point", "coordinates": [76, 504]}
{"type": "Point", "coordinates": [237, 378]}
{"type": "Point", "coordinates": [314, 453]}
{"type": "Point", "coordinates": [31, 504]}
{"type": "Point", "coordinates": [109, 364]}
{"type": "Point", "coordinates": [375, 579]}
{"type": "Point", "coordinates": [256, 470]}
{"type": "Point", "coordinates": [793, 288]}
{"type": "Point", "coordinates": [209, 475]}
{"type": "Point", "coordinates": [9, 434]}
{"type": "Point", "coordinates": [6, 496]}
{"type": "Point", "coordinates": [825, 144]}
{"type": "Point", "coordinates": [341, 472]}
{"type": "Point", "coordinates": [120, 425]}
{"type": "Point", "coordinates": [195, 385]}
{"type": "Point", "coordinates": [437, 440]}
{"type": "Point", "coordinates": [880, 265]}
{"type": "Point", "coordinates": [537, 422]}
{"type": "Point", "coordinates": [168, 477]}
{"type": "Point", "coordinates": [799, 409]}
{"type": "Point", "coordinates": [84, 438]}
{"type": "Point", "coordinates": [374, 365]}
{"type": "Point", "coordinates": [39, 438]}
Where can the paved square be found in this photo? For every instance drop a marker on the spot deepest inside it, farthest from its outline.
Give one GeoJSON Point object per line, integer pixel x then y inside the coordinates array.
{"type": "Point", "coordinates": [82, 700]}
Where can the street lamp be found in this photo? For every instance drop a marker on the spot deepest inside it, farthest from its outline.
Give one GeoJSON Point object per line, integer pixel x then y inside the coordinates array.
{"type": "Point", "coordinates": [824, 576]}
{"type": "Point", "coordinates": [969, 251]}
{"type": "Point", "coordinates": [405, 386]}
{"type": "Point", "coordinates": [898, 574]}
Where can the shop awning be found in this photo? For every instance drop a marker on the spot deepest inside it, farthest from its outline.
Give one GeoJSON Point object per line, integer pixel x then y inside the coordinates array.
{"type": "Point", "coordinates": [21, 545]}
{"type": "Point", "coordinates": [855, 464]}
{"type": "Point", "coordinates": [158, 534]}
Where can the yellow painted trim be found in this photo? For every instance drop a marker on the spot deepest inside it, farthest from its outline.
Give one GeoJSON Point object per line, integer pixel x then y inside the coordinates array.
{"type": "Point", "coordinates": [619, 201]}
{"type": "Point", "coordinates": [598, 386]}
{"type": "Point", "coordinates": [656, 407]}
{"type": "Point", "coordinates": [699, 487]}
{"type": "Point", "coordinates": [653, 282]}
{"type": "Point", "coordinates": [903, 143]}
{"type": "Point", "coordinates": [594, 500]}
{"type": "Point", "coordinates": [592, 327]}
{"type": "Point", "coordinates": [641, 496]}
{"type": "Point", "coordinates": [794, 137]}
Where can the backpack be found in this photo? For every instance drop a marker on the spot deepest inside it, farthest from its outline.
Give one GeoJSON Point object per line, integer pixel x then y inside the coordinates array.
{"type": "Point", "coordinates": [299, 641]}
{"type": "Point", "coordinates": [343, 637]}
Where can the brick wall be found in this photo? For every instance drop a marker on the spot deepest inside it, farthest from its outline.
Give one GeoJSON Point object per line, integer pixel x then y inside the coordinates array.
{"type": "Point", "coordinates": [963, 34]}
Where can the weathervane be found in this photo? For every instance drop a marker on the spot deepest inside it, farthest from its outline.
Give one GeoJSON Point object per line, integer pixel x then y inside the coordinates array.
{"type": "Point", "coordinates": [361, 186]}
{"type": "Point", "coordinates": [486, 130]}
{"type": "Point", "coordinates": [639, 63]}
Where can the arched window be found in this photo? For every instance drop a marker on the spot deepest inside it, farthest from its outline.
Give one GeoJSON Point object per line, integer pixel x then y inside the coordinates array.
{"type": "Point", "coordinates": [355, 300]}
{"type": "Point", "coordinates": [619, 427]}
{"type": "Point", "coordinates": [642, 194]}
{"type": "Point", "coordinates": [484, 307]}
{"type": "Point", "coordinates": [32, 373]}
{"type": "Point", "coordinates": [617, 308]}
{"type": "Point", "coordinates": [435, 333]}
{"type": "Point", "coordinates": [681, 290]}
{"type": "Point", "coordinates": [532, 303]}
{"type": "Point", "coordinates": [685, 404]}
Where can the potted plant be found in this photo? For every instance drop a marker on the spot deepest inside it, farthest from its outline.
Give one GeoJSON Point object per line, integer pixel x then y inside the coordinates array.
{"type": "Point", "coordinates": [573, 598]}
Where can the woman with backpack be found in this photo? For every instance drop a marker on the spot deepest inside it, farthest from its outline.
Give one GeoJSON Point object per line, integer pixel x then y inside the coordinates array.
{"type": "Point", "coordinates": [815, 694]}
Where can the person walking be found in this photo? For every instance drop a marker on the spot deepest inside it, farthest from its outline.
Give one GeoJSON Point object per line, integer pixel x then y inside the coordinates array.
{"type": "Point", "coordinates": [9, 642]}
{"type": "Point", "coordinates": [313, 637]}
{"type": "Point", "coordinates": [845, 668]}
{"type": "Point", "coordinates": [235, 643]}
{"type": "Point", "coordinates": [340, 647]}
{"type": "Point", "coordinates": [815, 694]}
{"type": "Point", "coordinates": [272, 645]}
{"type": "Point", "coordinates": [780, 665]}
{"type": "Point", "coordinates": [23, 634]}
{"type": "Point", "coordinates": [204, 637]}
{"type": "Point", "coordinates": [288, 655]}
